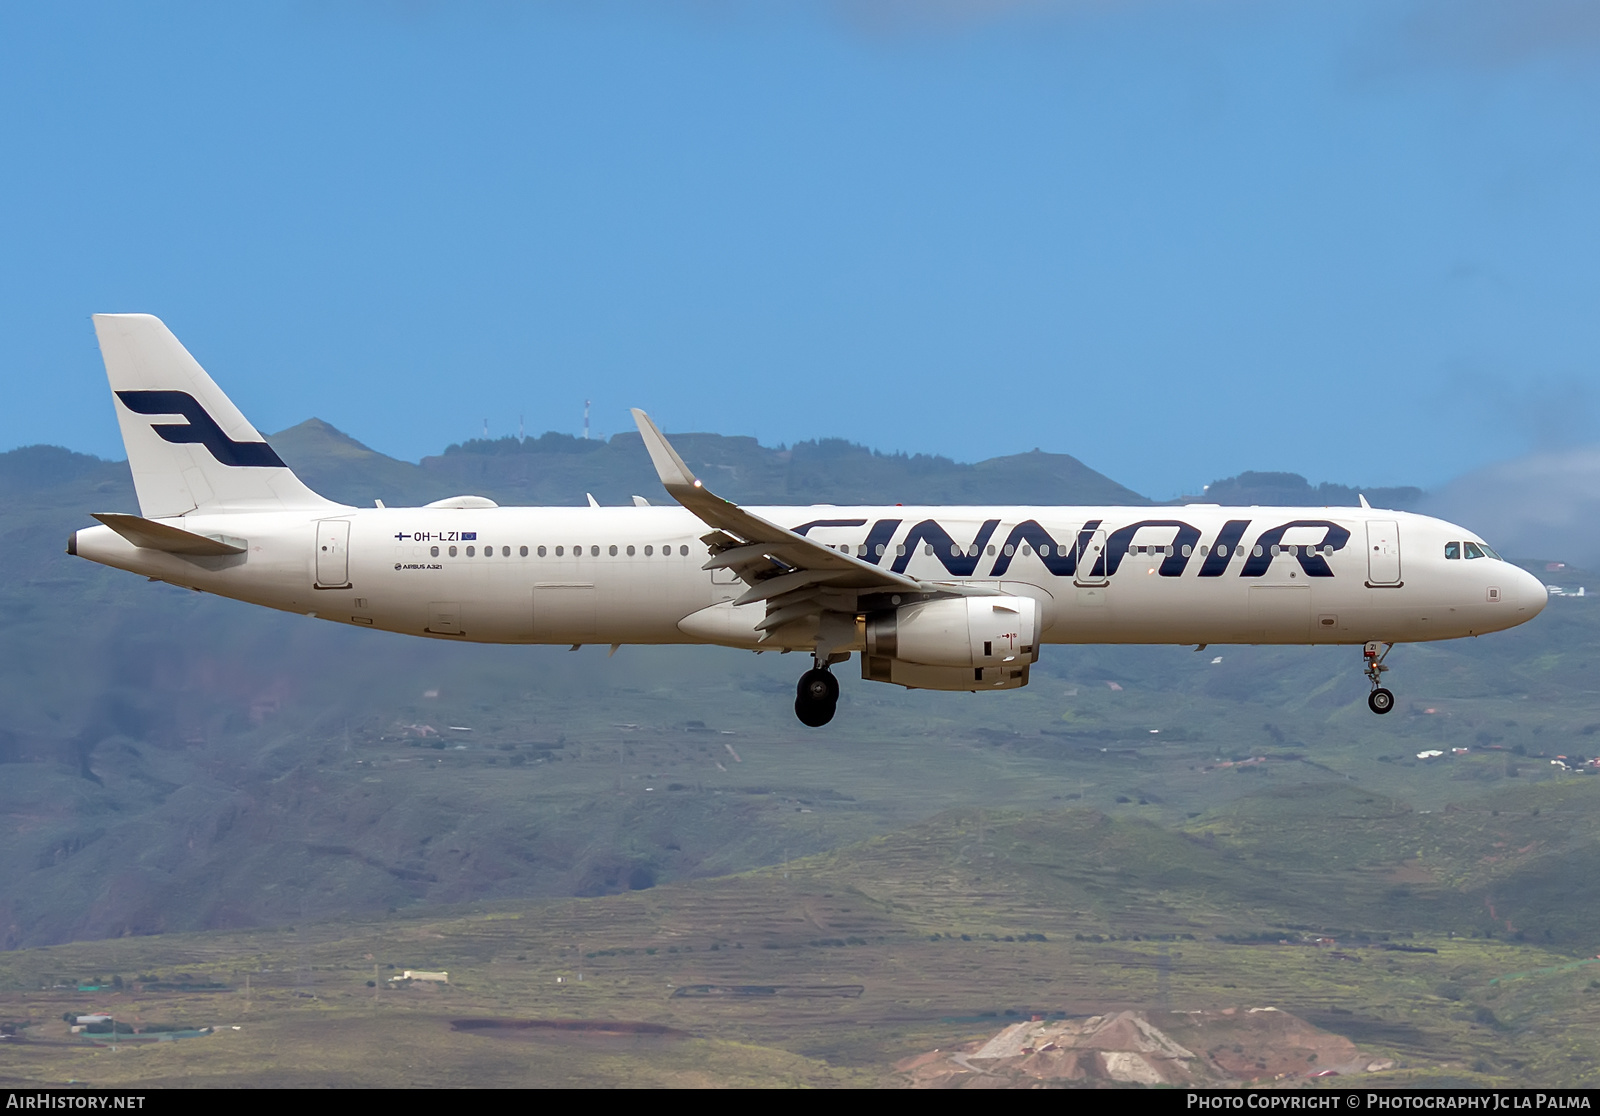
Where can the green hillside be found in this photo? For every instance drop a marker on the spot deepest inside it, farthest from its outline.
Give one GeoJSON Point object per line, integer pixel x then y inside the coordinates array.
{"type": "Point", "coordinates": [830, 969]}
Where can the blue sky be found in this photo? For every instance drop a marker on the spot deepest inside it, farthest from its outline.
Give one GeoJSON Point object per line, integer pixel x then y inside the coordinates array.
{"type": "Point", "coordinates": [1356, 240]}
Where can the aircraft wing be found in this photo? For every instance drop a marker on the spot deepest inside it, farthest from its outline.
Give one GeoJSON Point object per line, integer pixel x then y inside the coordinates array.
{"type": "Point", "coordinates": [781, 567]}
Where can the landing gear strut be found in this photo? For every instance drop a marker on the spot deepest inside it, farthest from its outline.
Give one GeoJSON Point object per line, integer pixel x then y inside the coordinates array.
{"type": "Point", "coordinates": [1380, 700]}
{"type": "Point", "coordinates": [816, 697]}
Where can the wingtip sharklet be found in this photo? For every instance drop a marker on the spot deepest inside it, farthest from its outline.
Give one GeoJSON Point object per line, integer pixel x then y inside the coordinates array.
{"type": "Point", "coordinates": [712, 510]}
{"type": "Point", "coordinates": [669, 466]}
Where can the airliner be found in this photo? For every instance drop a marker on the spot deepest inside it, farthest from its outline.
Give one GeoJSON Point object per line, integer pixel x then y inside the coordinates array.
{"type": "Point", "coordinates": [935, 598]}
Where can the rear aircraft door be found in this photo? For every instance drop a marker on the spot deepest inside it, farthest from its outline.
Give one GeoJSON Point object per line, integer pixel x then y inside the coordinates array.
{"type": "Point", "coordinates": [333, 554]}
{"type": "Point", "coordinates": [1383, 552]}
{"type": "Point", "coordinates": [1091, 559]}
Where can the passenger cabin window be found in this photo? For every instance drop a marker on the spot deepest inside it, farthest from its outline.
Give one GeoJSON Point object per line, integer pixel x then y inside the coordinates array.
{"type": "Point", "coordinates": [1452, 550]}
{"type": "Point", "coordinates": [1473, 550]}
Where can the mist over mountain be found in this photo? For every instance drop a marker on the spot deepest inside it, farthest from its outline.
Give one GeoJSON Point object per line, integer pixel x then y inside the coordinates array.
{"type": "Point", "coordinates": [1545, 505]}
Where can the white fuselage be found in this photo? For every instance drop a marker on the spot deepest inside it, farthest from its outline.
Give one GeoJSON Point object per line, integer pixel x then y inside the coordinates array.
{"type": "Point", "coordinates": [632, 575]}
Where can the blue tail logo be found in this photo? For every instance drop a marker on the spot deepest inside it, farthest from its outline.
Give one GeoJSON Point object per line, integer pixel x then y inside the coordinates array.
{"type": "Point", "coordinates": [200, 429]}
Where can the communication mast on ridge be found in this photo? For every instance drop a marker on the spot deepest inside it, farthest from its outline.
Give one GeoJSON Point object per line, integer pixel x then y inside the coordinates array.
{"type": "Point", "coordinates": [585, 420]}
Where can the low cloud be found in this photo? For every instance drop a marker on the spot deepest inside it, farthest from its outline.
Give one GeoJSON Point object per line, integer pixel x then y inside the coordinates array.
{"type": "Point", "coordinates": [1546, 505]}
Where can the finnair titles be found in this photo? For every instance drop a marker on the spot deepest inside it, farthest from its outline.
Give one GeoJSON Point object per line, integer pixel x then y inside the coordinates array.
{"type": "Point", "coordinates": [937, 598]}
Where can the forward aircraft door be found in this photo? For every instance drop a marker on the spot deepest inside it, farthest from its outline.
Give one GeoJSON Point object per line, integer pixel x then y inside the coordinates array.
{"type": "Point", "coordinates": [1383, 552]}
{"type": "Point", "coordinates": [333, 554]}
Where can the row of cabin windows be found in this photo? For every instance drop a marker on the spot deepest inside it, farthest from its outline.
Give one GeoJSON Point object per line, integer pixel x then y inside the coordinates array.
{"type": "Point", "coordinates": [577, 551]}
{"type": "Point", "coordinates": [1044, 550]}
{"type": "Point", "coordinates": [1455, 550]}
{"type": "Point", "coordinates": [1451, 550]}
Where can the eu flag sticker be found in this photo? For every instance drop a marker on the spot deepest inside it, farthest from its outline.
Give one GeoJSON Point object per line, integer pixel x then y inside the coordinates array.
{"type": "Point", "coordinates": [469, 536]}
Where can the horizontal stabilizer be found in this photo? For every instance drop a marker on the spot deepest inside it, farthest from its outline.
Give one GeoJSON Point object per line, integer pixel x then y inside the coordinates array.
{"type": "Point", "coordinates": [174, 540]}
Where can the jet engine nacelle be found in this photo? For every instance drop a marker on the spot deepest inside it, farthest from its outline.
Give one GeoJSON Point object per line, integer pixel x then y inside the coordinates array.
{"type": "Point", "coordinates": [960, 643]}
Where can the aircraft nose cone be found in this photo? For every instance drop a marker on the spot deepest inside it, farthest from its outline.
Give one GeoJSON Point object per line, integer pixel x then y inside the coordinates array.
{"type": "Point", "coordinates": [1530, 595]}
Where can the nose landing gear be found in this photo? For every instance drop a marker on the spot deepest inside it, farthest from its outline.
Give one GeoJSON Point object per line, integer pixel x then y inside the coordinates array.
{"type": "Point", "coordinates": [816, 697]}
{"type": "Point", "coordinates": [1380, 700]}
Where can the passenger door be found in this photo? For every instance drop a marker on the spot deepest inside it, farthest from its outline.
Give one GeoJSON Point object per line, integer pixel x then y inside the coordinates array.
{"type": "Point", "coordinates": [333, 554]}
{"type": "Point", "coordinates": [1383, 552]}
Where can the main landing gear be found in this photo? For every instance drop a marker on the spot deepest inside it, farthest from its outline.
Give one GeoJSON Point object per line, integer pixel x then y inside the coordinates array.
{"type": "Point", "coordinates": [1380, 700]}
{"type": "Point", "coordinates": [816, 697]}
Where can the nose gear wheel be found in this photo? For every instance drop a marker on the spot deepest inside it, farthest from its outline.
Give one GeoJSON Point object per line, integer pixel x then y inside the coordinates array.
{"type": "Point", "coordinates": [1380, 700]}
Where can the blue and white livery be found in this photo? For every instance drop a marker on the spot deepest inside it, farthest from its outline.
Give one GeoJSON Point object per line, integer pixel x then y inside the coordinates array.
{"type": "Point", "coordinates": [943, 598]}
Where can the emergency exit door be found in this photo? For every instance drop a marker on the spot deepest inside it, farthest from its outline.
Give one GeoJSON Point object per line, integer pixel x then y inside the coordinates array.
{"type": "Point", "coordinates": [333, 554]}
{"type": "Point", "coordinates": [1383, 552]}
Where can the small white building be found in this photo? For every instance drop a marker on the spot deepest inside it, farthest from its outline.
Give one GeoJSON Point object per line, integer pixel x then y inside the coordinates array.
{"type": "Point", "coordinates": [421, 974]}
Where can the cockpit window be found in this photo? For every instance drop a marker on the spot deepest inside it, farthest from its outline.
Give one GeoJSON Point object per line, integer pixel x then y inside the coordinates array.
{"type": "Point", "coordinates": [1474, 550]}
{"type": "Point", "coordinates": [1452, 550]}
{"type": "Point", "coordinates": [1490, 552]}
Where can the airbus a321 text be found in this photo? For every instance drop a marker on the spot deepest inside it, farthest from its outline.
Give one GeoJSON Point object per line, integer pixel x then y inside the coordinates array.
{"type": "Point", "coordinates": [938, 598]}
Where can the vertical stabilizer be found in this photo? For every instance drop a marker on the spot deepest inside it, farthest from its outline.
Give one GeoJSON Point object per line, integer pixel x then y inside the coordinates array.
{"type": "Point", "coordinates": [189, 448]}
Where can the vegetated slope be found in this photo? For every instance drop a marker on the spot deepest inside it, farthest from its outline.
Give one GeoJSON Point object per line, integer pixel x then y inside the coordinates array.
{"type": "Point", "coordinates": [922, 938]}
{"type": "Point", "coordinates": [1293, 490]}
{"type": "Point", "coordinates": [1511, 864]}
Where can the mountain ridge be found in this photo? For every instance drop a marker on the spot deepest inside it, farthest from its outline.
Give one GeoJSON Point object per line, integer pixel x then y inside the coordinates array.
{"type": "Point", "coordinates": [559, 469]}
